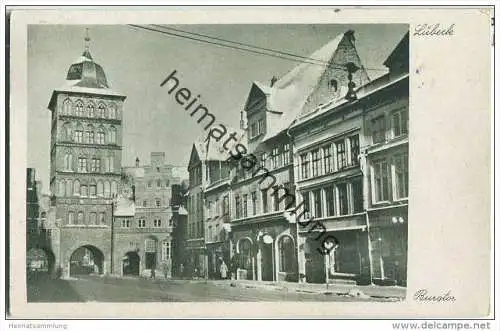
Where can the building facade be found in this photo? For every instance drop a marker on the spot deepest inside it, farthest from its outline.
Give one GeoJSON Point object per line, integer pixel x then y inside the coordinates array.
{"type": "Point", "coordinates": [179, 232]}
{"type": "Point", "coordinates": [264, 233]}
{"type": "Point", "coordinates": [352, 179]}
{"type": "Point", "coordinates": [144, 219]}
{"type": "Point", "coordinates": [317, 133]}
{"type": "Point", "coordinates": [85, 161]}
{"type": "Point", "coordinates": [196, 262]}
{"type": "Point", "coordinates": [386, 123]}
{"type": "Point", "coordinates": [217, 195]}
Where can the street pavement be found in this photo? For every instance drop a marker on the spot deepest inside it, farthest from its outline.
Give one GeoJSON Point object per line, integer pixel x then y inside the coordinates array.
{"type": "Point", "coordinates": [113, 289]}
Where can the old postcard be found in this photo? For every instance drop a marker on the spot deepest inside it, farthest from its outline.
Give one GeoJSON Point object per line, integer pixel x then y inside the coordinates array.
{"type": "Point", "coordinates": [334, 160]}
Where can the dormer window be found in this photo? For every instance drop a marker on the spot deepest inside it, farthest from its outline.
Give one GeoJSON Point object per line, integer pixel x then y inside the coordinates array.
{"type": "Point", "coordinates": [261, 126]}
{"type": "Point", "coordinates": [253, 130]}
{"type": "Point", "coordinates": [257, 128]}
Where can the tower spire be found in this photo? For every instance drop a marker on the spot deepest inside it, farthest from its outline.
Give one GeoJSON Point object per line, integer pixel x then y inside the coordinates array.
{"type": "Point", "coordinates": [87, 39]}
{"type": "Point", "coordinates": [86, 52]}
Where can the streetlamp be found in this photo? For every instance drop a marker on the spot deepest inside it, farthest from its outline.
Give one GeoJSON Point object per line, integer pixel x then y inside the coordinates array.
{"type": "Point", "coordinates": [351, 69]}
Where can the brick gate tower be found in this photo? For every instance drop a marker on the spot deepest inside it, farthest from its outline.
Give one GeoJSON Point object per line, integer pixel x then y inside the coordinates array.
{"type": "Point", "coordinates": [85, 165]}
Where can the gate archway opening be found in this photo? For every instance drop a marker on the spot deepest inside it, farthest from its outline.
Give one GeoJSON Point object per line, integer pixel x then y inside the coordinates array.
{"type": "Point", "coordinates": [130, 264]}
{"type": "Point", "coordinates": [40, 260]}
{"type": "Point", "coordinates": [87, 260]}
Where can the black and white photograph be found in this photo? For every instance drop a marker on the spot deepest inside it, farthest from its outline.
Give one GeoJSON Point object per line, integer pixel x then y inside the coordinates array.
{"type": "Point", "coordinates": [250, 162]}
{"type": "Point", "coordinates": [217, 163]}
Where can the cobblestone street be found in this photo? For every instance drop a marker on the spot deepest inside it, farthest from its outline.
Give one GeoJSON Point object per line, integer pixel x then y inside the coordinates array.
{"type": "Point", "coordinates": [108, 289]}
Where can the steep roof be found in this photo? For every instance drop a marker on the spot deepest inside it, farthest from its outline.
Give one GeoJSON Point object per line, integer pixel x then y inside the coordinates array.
{"type": "Point", "coordinates": [291, 92]}
{"type": "Point", "coordinates": [215, 150]}
{"type": "Point", "coordinates": [85, 76]}
{"type": "Point", "coordinates": [124, 207]}
{"type": "Point", "coordinates": [400, 52]}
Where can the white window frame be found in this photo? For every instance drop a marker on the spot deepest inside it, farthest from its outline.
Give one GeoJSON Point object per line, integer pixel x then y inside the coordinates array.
{"type": "Point", "coordinates": [404, 159]}
{"type": "Point", "coordinates": [374, 163]}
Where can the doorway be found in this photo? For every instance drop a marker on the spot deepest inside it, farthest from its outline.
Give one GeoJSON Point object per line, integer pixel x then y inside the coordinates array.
{"type": "Point", "coordinates": [131, 263]}
{"type": "Point", "coordinates": [267, 262]}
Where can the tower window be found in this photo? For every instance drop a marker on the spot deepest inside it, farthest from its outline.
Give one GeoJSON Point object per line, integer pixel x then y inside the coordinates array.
{"type": "Point", "coordinates": [90, 110]}
{"type": "Point", "coordinates": [79, 108]}
{"type": "Point", "coordinates": [101, 109]}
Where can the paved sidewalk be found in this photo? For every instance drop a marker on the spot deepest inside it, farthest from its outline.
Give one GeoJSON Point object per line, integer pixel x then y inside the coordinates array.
{"type": "Point", "coordinates": [339, 289]}
{"type": "Point", "coordinates": [375, 291]}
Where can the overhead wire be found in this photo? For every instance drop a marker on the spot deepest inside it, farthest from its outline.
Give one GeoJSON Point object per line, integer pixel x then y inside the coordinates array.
{"type": "Point", "coordinates": [250, 48]}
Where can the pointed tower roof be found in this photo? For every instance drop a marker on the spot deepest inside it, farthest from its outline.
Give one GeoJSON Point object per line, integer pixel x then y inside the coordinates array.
{"type": "Point", "coordinates": [85, 76]}
{"type": "Point", "coordinates": [84, 72]}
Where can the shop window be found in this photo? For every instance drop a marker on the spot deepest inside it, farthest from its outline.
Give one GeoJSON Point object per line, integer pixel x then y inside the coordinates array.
{"type": "Point", "coordinates": [286, 249]}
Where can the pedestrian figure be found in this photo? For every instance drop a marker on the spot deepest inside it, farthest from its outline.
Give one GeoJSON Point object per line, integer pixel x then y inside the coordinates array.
{"type": "Point", "coordinates": [223, 270]}
{"type": "Point", "coordinates": [166, 269]}
{"type": "Point", "coordinates": [181, 270]}
{"type": "Point", "coordinates": [153, 276]}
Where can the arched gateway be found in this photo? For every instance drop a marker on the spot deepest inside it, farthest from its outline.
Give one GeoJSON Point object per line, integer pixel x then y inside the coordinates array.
{"type": "Point", "coordinates": [86, 260]}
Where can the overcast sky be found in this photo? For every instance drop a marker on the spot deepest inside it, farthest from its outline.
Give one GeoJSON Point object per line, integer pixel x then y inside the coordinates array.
{"type": "Point", "coordinates": [137, 61]}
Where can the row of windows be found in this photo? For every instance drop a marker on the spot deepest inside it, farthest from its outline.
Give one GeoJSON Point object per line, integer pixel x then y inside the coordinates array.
{"type": "Point", "coordinates": [142, 223]}
{"type": "Point", "coordinates": [394, 126]}
{"type": "Point", "coordinates": [91, 164]}
{"type": "Point", "coordinates": [79, 109]}
{"type": "Point", "coordinates": [217, 171]}
{"type": "Point", "coordinates": [195, 229]}
{"type": "Point", "coordinates": [158, 183]}
{"type": "Point", "coordinates": [88, 134]}
{"type": "Point", "coordinates": [280, 156]}
{"type": "Point", "coordinates": [390, 178]}
{"type": "Point", "coordinates": [69, 188]}
{"type": "Point", "coordinates": [151, 246]}
{"type": "Point", "coordinates": [331, 157]}
{"type": "Point", "coordinates": [220, 207]}
{"type": "Point", "coordinates": [335, 200]}
{"type": "Point", "coordinates": [215, 234]}
{"type": "Point", "coordinates": [81, 218]}
{"type": "Point", "coordinates": [157, 203]}
{"type": "Point", "coordinates": [246, 205]}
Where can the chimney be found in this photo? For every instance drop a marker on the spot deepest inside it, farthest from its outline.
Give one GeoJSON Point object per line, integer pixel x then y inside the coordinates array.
{"type": "Point", "coordinates": [350, 36]}
{"type": "Point", "coordinates": [242, 121]}
{"type": "Point", "coordinates": [137, 162]}
{"type": "Point", "coordinates": [273, 80]}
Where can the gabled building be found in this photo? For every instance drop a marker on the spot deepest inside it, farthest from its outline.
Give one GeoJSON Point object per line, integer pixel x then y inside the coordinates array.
{"type": "Point", "coordinates": [143, 230]}
{"type": "Point", "coordinates": [342, 153]}
{"type": "Point", "coordinates": [196, 264]}
{"type": "Point", "coordinates": [217, 196]}
{"type": "Point", "coordinates": [265, 241]}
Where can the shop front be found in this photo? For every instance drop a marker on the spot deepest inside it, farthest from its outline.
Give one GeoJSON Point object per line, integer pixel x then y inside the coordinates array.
{"type": "Point", "coordinates": [389, 241]}
{"type": "Point", "coordinates": [336, 251]}
{"type": "Point", "coordinates": [216, 253]}
{"type": "Point", "coordinates": [265, 251]}
{"type": "Point", "coordinates": [196, 263]}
